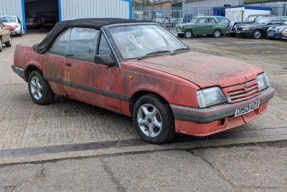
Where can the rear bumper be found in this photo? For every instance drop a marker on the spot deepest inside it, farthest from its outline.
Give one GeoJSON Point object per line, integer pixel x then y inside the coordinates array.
{"type": "Point", "coordinates": [202, 122]}
{"type": "Point", "coordinates": [19, 71]}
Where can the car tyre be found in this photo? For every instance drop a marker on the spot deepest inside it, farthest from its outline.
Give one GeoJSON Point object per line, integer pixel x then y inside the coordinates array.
{"type": "Point", "coordinates": [39, 89]}
{"type": "Point", "coordinates": [257, 34]}
{"type": "Point", "coordinates": [217, 33]}
{"type": "Point", "coordinates": [9, 43]}
{"type": "Point", "coordinates": [188, 34]}
{"type": "Point", "coordinates": [153, 119]}
{"type": "Point", "coordinates": [1, 46]}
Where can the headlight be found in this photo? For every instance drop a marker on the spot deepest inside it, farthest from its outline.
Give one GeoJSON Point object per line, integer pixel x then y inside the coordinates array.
{"type": "Point", "coordinates": [269, 28]}
{"type": "Point", "coordinates": [245, 29]}
{"type": "Point", "coordinates": [262, 81]}
{"type": "Point", "coordinates": [210, 96]}
{"type": "Point", "coordinates": [279, 29]}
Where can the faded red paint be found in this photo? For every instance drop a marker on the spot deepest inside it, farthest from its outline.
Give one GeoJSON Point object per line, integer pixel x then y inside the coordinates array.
{"type": "Point", "coordinates": [176, 78]}
{"type": "Point", "coordinates": [202, 130]}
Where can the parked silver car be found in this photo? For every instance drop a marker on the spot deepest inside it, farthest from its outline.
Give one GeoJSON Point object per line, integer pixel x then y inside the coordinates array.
{"type": "Point", "coordinates": [13, 21]}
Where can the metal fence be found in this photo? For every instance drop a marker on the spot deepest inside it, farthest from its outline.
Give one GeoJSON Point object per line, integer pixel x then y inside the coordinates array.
{"type": "Point", "coordinates": [170, 17]}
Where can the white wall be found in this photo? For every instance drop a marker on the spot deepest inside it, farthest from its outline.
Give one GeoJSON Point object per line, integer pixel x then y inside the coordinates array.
{"type": "Point", "coordinates": [74, 9]}
{"type": "Point", "coordinates": [11, 7]}
{"type": "Point", "coordinates": [212, 3]}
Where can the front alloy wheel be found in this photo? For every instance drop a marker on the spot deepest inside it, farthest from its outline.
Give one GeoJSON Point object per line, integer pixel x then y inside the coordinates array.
{"type": "Point", "coordinates": [257, 34]}
{"type": "Point", "coordinates": [149, 120]}
{"type": "Point", "coordinates": [153, 119]}
{"type": "Point", "coordinates": [188, 34]}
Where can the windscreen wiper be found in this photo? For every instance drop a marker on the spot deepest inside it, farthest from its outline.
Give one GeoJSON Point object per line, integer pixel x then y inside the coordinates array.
{"type": "Point", "coordinates": [180, 49]}
{"type": "Point", "coordinates": [155, 53]}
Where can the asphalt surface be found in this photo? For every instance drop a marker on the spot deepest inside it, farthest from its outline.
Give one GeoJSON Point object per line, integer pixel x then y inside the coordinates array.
{"type": "Point", "coordinates": [188, 166]}
{"type": "Point", "coordinates": [256, 167]}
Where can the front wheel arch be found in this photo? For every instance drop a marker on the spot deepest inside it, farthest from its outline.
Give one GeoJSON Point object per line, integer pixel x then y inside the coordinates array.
{"type": "Point", "coordinates": [139, 94]}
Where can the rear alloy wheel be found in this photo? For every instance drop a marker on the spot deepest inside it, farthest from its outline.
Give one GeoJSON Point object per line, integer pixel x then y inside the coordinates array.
{"type": "Point", "coordinates": [1, 46]}
{"type": "Point", "coordinates": [257, 34]}
{"type": "Point", "coordinates": [188, 34]}
{"type": "Point", "coordinates": [39, 89]}
{"type": "Point", "coordinates": [9, 43]}
{"type": "Point", "coordinates": [153, 119]}
{"type": "Point", "coordinates": [217, 33]}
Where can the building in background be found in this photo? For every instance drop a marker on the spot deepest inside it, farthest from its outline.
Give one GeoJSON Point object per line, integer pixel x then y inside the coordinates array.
{"type": "Point", "coordinates": [58, 10]}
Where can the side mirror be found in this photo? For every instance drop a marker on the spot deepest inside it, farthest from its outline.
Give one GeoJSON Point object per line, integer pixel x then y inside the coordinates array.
{"type": "Point", "coordinates": [104, 59]}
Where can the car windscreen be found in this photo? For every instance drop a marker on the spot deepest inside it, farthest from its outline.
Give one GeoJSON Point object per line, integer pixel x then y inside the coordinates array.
{"type": "Point", "coordinates": [265, 20]}
{"type": "Point", "coordinates": [141, 40]}
{"type": "Point", "coordinates": [285, 23]}
{"type": "Point", "coordinates": [251, 18]}
{"type": "Point", "coordinates": [8, 19]}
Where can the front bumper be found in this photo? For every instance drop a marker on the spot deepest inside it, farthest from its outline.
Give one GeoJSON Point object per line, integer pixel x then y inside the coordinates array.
{"type": "Point", "coordinates": [273, 35]}
{"type": "Point", "coordinates": [242, 33]}
{"type": "Point", "coordinates": [202, 122]}
{"type": "Point", "coordinates": [19, 71]}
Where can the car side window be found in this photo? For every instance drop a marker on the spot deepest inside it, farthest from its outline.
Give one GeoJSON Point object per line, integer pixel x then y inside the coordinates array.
{"type": "Point", "coordinates": [210, 20]}
{"type": "Point", "coordinates": [283, 20]}
{"type": "Point", "coordinates": [225, 21]}
{"type": "Point", "coordinates": [104, 48]}
{"type": "Point", "coordinates": [83, 44]}
{"type": "Point", "coordinates": [275, 21]}
{"type": "Point", "coordinates": [60, 45]}
{"type": "Point", "coordinates": [200, 21]}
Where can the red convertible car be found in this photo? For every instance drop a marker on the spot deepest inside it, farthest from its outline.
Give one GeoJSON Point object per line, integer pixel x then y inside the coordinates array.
{"type": "Point", "coordinates": [141, 70]}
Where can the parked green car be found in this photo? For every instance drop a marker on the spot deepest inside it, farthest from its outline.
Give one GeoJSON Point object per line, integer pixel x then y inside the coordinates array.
{"type": "Point", "coordinates": [204, 25]}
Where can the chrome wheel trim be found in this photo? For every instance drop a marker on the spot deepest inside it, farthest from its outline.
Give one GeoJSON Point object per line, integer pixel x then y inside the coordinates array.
{"type": "Point", "coordinates": [257, 34]}
{"type": "Point", "coordinates": [149, 120]}
{"type": "Point", "coordinates": [1, 46]}
{"type": "Point", "coordinates": [10, 41]}
{"type": "Point", "coordinates": [36, 88]}
{"type": "Point", "coordinates": [188, 34]}
{"type": "Point", "coordinates": [217, 33]}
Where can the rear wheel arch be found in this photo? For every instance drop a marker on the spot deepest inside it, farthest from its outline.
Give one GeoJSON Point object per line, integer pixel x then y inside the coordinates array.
{"type": "Point", "coordinates": [139, 94]}
{"type": "Point", "coordinates": [30, 69]}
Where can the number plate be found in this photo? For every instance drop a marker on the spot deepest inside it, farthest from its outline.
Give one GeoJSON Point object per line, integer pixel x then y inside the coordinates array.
{"type": "Point", "coordinates": [270, 34]}
{"type": "Point", "coordinates": [237, 32]}
{"type": "Point", "coordinates": [246, 108]}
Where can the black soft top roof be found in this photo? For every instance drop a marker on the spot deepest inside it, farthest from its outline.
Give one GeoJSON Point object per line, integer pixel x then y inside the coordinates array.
{"type": "Point", "coordinates": [95, 23]}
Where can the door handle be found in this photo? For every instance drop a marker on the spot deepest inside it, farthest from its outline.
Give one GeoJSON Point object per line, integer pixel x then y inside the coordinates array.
{"type": "Point", "coordinates": [68, 64]}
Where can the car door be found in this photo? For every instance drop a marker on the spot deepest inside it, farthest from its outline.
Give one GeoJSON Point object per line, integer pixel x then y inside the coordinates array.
{"type": "Point", "coordinates": [200, 26]}
{"type": "Point", "coordinates": [85, 80]}
{"type": "Point", "coordinates": [4, 33]}
{"type": "Point", "coordinates": [53, 64]}
{"type": "Point", "coordinates": [210, 26]}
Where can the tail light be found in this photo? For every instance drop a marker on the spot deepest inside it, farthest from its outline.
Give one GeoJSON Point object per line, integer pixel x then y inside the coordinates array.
{"type": "Point", "coordinates": [17, 26]}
